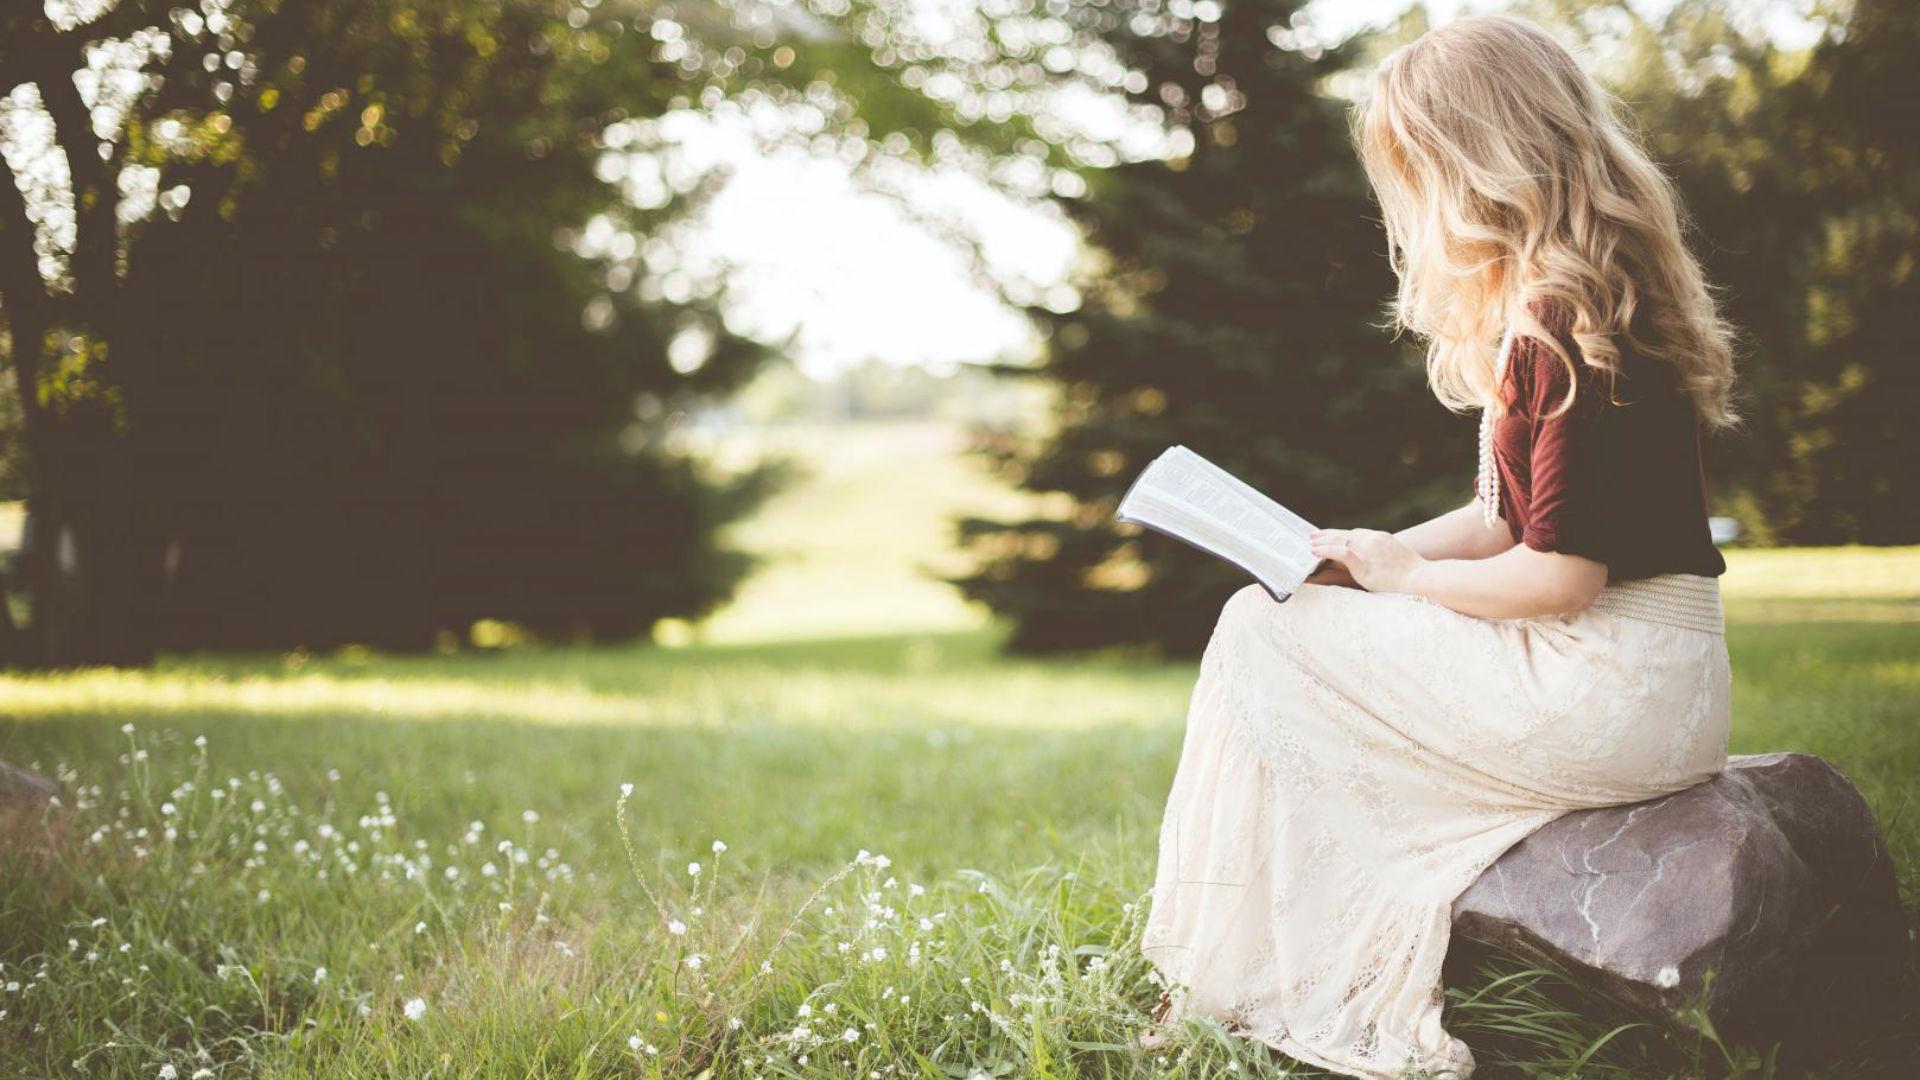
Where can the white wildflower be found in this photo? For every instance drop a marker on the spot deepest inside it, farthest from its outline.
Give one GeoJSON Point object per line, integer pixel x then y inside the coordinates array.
{"type": "Point", "coordinates": [676, 928]}
{"type": "Point", "coordinates": [416, 1008]}
{"type": "Point", "coordinates": [319, 975]}
{"type": "Point", "coordinates": [851, 1035]}
{"type": "Point", "coordinates": [1667, 977]}
{"type": "Point", "coordinates": [719, 846]}
{"type": "Point", "coordinates": [693, 869]}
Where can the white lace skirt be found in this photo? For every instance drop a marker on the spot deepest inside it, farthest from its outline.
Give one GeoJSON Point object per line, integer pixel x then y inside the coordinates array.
{"type": "Point", "coordinates": [1354, 760]}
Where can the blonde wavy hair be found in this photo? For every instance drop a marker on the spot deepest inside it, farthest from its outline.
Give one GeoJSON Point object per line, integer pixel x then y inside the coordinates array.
{"type": "Point", "coordinates": [1510, 186]}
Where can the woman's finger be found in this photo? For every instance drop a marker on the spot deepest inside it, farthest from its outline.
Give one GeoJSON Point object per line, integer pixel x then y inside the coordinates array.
{"type": "Point", "coordinates": [1339, 551]}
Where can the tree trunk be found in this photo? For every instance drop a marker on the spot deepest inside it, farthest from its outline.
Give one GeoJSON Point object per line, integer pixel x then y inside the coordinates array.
{"type": "Point", "coordinates": [90, 559]}
{"type": "Point", "coordinates": [92, 566]}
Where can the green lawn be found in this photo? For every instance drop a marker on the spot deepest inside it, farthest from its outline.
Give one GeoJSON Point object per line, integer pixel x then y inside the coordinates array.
{"type": "Point", "coordinates": [443, 829]}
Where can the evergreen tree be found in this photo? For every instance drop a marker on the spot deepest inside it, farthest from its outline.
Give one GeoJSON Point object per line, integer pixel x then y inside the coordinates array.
{"type": "Point", "coordinates": [1237, 310]}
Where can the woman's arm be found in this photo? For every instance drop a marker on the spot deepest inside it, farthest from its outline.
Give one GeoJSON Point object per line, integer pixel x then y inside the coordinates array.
{"type": "Point", "coordinates": [1518, 583]}
{"type": "Point", "coordinates": [1460, 533]}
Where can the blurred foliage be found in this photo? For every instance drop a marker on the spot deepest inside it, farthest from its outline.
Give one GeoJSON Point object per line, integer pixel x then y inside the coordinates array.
{"type": "Point", "coordinates": [1233, 310]}
{"type": "Point", "coordinates": [882, 390]}
{"type": "Point", "coordinates": [333, 321]}
{"type": "Point", "coordinates": [1231, 305]}
{"type": "Point", "coordinates": [395, 405]}
{"type": "Point", "coordinates": [1802, 172]}
{"type": "Point", "coordinates": [372, 362]}
{"type": "Point", "coordinates": [348, 392]}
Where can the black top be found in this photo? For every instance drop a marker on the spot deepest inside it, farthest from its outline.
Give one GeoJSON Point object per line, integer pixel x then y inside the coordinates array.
{"type": "Point", "coordinates": [1617, 477]}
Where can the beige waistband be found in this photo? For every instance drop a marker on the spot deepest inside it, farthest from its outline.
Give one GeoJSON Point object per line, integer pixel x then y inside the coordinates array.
{"type": "Point", "coordinates": [1686, 600]}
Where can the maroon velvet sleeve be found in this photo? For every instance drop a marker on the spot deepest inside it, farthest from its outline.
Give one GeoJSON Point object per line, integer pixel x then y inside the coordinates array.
{"type": "Point", "coordinates": [1567, 462]}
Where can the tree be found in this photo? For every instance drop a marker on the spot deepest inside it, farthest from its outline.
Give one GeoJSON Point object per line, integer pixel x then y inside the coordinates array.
{"type": "Point", "coordinates": [1235, 308]}
{"type": "Point", "coordinates": [244, 411]}
{"type": "Point", "coordinates": [260, 415]}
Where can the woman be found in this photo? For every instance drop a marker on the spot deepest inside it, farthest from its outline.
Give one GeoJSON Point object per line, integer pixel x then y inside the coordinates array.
{"type": "Point", "coordinates": [1356, 756]}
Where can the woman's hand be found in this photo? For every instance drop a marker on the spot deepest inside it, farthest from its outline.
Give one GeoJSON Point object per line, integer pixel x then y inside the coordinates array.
{"type": "Point", "coordinates": [1332, 573]}
{"type": "Point", "coordinates": [1379, 561]}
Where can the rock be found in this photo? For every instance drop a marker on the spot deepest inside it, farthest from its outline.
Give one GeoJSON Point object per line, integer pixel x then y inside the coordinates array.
{"type": "Point", "coordinates": [20, 789]}
{"type": "Point", "coordinates": [1773, 874]}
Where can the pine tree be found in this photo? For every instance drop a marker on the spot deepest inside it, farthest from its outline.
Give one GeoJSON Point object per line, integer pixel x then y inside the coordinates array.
{"type": "Point", "coordinates": [1239, 311]}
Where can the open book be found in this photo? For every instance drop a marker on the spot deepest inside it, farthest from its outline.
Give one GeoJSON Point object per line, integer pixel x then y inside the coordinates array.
{"type": "Point", "coordinates": [1195, 501]}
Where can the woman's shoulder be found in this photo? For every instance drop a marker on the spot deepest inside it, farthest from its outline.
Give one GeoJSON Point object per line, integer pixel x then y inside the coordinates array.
{"type": "Point", "coordinates": [1538, 375]}
{"type": "Point", "coordinates": [1553, 320]}
{"type": "Point", "coordinates": [1544, 375]}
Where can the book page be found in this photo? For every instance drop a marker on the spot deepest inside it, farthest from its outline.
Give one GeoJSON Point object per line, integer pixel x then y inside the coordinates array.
{"type": "Point", "coordinates": [1188, 497]}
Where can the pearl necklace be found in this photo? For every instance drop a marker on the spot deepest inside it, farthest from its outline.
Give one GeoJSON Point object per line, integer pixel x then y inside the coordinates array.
{"type": "Point", "coordinates": [1487, 482]}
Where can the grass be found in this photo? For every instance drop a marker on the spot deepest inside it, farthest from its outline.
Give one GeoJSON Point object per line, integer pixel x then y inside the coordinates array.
{"type": "Point", "coordinates": [1021, 795]}
{"type": "Point", "coordinates": [934, 857]}
{"type": "Point", "coordinates": [845, 551]}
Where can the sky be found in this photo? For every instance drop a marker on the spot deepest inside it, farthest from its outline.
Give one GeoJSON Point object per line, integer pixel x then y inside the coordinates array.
{"type": "Point", "coordinates": [851, 277]}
